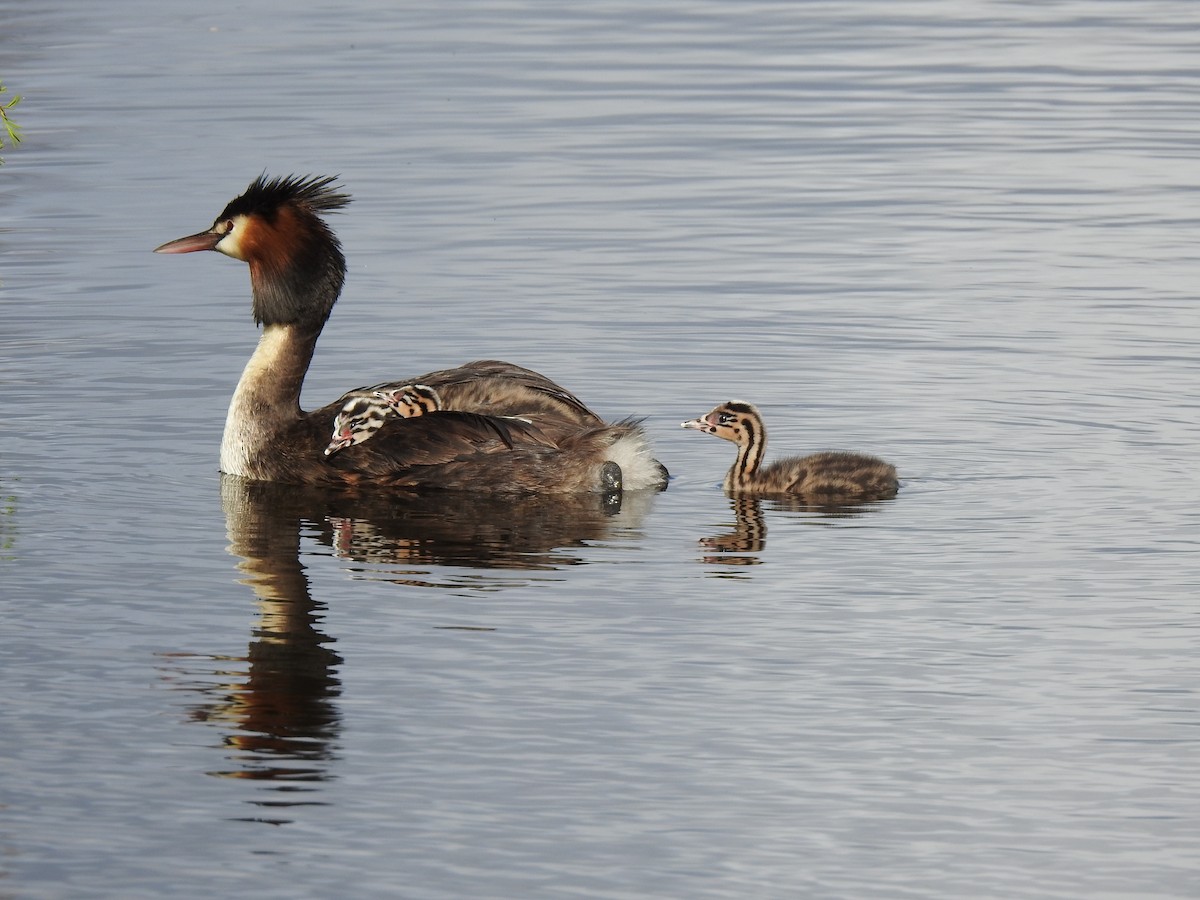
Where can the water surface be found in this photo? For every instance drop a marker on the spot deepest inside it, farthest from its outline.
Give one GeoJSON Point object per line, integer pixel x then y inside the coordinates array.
{"type": "Point", "coordinates": [959, 236]}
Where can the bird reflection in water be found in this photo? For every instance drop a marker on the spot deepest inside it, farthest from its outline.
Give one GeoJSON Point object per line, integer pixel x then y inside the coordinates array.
{"type": "Point", "coordinates": [418, 532]}
{"type": "Point", "coordinates": [277, 705]}
{"type": "Point", "coordinates": [743, 544]}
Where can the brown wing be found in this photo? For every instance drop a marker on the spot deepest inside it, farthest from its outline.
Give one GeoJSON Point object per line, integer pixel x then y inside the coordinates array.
{"type": "Point", "coordinates": [499, 388]}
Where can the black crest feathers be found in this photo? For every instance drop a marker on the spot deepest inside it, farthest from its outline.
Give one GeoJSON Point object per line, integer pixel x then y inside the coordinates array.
{"type": "Point", "coordinates": [264, 197]}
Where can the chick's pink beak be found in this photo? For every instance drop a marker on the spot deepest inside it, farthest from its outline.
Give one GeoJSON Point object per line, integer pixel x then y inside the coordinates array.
{"type": "Point", "coordinates": [341, 442]}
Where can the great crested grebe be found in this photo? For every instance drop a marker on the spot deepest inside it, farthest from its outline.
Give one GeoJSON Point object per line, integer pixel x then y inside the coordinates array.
{"type": "Point", "coordinates": [503, 428]}
{"type": "Point", "coordinates": [361, 417]}
{"type": "Point", "coordinates": [825, 475]}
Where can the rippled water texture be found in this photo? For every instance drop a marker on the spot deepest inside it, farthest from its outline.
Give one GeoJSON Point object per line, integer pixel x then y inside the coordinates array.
{"type": "Point", "coordinates": [961, 236]}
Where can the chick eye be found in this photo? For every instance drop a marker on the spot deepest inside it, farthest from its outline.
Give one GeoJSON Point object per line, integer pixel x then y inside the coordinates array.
{"type": "Point", "coordinates": [725, 418]}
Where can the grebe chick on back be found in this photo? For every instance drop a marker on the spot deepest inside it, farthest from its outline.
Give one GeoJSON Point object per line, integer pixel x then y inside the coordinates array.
{"type": "Point", "coordinates": [825, 475]}
{"type": "Point", "coordinates": [358, 419]}
{"type": "Point", "coordinates": [411, 400]}
{"type": "Point", "coordinates": [503, 428]}
{"type": "Point", "coordinates": [361, 417]}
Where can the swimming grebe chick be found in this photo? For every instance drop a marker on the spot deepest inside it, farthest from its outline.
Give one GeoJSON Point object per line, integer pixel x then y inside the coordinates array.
{"type": "Point", "coordinates": [502, 428]}
{"type": "Point", "coordinates": [825, 475]}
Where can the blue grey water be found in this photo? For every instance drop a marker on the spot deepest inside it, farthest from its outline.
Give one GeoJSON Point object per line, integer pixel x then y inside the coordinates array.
{"type": "Point", "coordinates": [961, 236]}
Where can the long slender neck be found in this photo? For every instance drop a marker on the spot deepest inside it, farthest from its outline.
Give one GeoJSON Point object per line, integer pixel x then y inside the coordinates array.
{"type": "Point", "coordinates": [751, 450]}
{"type": "Point", "coordinates": [267, 398]}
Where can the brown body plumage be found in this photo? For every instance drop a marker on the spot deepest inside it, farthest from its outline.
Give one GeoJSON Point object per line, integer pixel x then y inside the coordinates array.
{"type": "Point", "coordinates": [503, 428]}
{"type": "Point", "coordinates": [820, 476]}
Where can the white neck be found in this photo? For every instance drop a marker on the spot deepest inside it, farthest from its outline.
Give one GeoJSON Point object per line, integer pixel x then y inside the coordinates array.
{"type": "Point", "coordinates": [267, 397]}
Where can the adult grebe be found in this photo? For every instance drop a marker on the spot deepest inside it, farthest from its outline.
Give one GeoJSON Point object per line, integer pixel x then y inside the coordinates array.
{"type": "Point", "coordinates": [503, 428]}
{"type": "Point", "coordinates": [824, 475]}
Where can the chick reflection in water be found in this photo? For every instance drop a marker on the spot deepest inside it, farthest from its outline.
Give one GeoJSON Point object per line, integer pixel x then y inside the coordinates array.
{"type": "Point", "coordinates": [747, 539]}
{"type": "Point", "coordinates": [748, 536]}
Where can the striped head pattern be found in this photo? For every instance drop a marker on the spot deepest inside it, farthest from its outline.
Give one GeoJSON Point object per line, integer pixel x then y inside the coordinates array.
{"type": "Point", "coordinates": [359, 419]}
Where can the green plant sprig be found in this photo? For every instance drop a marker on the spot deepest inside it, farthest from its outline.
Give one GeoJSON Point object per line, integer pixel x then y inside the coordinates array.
{"type": "Point", "coordinates": [11, 127]}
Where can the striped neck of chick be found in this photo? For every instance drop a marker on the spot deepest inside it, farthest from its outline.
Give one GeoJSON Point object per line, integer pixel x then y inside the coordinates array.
{"type": "Point", "coordinates": [741, 424]}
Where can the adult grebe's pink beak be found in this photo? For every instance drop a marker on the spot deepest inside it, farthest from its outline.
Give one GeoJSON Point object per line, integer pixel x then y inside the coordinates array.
{"type": "Point", "coordinates": [204, 240]}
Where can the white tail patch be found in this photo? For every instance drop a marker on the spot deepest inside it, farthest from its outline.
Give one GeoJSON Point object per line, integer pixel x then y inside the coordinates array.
{"type": "Point", "coordinates": [639, 469]}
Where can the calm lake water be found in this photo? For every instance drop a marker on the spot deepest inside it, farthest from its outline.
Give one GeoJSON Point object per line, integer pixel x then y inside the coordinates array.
{"type": "Point", "coordinates": [961, 236]}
